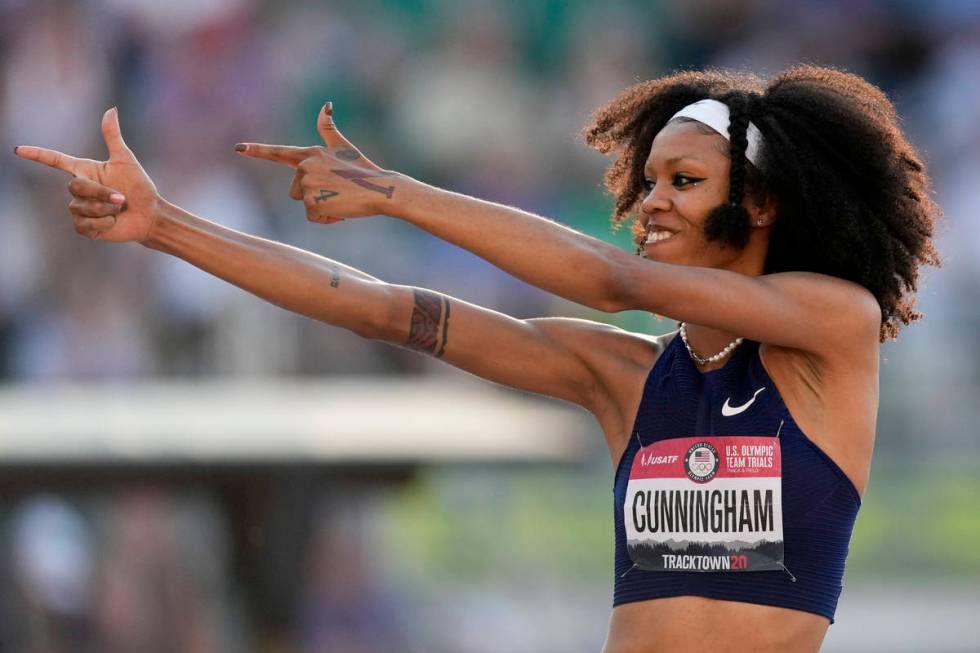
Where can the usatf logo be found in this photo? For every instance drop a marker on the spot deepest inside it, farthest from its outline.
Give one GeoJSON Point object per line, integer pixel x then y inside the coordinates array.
{"type": "Point", "coordinates": [701, 462]}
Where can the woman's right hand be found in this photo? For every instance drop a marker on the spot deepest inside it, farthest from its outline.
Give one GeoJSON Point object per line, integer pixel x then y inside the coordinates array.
{"type": "Point", "coordinates": [112, 200]}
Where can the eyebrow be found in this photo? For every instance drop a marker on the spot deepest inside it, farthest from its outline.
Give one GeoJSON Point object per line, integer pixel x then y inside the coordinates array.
{"type": "Point", "coordinates": [675, 159]}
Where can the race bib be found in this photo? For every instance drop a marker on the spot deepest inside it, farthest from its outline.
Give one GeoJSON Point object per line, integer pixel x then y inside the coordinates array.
{"type": "Point", "coordinates": [706, 504]}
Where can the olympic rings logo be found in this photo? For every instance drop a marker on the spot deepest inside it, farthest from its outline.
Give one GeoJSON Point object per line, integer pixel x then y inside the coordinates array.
{"type": "Point", "coordinates": [701, 462]}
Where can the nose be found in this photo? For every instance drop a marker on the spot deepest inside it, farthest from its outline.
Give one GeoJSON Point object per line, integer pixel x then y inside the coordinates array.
{"type": "Point", "coordinates": [655, 201]}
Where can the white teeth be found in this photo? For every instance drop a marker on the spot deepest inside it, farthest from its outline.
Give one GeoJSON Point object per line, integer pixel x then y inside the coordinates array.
{"type": "Point", "coordinates": [657, 236]}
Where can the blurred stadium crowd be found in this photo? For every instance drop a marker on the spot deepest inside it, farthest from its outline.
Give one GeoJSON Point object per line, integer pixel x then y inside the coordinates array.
{"type": "Point", "coordinates": [483, 97]}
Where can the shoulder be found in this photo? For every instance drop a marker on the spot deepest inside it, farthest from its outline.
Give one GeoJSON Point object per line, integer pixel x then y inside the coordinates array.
{"type": "Point", "coordinates": [851, 313]}
{"type": "Point", "coordinates": [827, 290]}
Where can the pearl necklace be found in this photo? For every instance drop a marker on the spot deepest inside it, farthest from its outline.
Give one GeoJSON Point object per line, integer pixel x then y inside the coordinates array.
{"type": "Point", "coordinates": [710, 359]}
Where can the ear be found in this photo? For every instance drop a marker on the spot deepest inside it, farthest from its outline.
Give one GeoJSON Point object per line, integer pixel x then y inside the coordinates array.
{"type": "Point", "coordinates": [762, 210]}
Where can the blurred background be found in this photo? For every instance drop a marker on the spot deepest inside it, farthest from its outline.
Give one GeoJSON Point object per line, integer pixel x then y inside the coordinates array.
{"type": "Point", "coordinates": [132, 519]}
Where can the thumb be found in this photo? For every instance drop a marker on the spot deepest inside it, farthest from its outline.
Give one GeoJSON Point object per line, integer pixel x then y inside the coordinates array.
{"type": "Point", "coordinates": [328, 129]}
{"type": "Point", "coordinates": [341, 148]}
{"type": "Point", "coordinates": [113, 135]}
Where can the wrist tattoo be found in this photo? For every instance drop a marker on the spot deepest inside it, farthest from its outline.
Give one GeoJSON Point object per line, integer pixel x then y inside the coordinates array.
{"type": "Point", "coordinates": [347, 155]}
{"type": "Point", "coordinates": [334, 277]}
{"type": "Point", "coordinates": [325, 195]}
{"type": "Point", "coordinates": [429, 328]}
{"type": "Point", "coordinates": [360, 178]}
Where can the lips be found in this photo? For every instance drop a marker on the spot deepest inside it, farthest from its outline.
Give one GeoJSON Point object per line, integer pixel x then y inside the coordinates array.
{"type": "Point", "coordinates": [658, 237]}
{"type": "Point", "coordinates": [657, 233]}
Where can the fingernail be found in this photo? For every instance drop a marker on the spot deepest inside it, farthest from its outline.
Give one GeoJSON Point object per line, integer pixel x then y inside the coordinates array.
{"type": "Point", "coordinates": [240, 147]}
{"type": "Point", "coordinates": [117, 198]}
{"type": "Point", "coordinates": [328, 107]}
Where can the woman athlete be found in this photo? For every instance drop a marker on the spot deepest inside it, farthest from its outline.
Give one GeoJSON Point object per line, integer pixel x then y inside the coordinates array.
{"type": "Point", "coordinates": [782, 223]}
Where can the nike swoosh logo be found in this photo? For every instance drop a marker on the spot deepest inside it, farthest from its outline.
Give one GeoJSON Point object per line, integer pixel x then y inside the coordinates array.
{"type": "Point", "coordinates": [729, 410]}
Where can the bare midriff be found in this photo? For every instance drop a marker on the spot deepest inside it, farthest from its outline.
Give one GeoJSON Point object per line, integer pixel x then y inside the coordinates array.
{"type": "Point", "coordinates": [694, 624]}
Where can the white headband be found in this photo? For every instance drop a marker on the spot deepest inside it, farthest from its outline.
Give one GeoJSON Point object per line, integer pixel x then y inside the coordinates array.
{"type": "Point", "coordinates": [714, 114]}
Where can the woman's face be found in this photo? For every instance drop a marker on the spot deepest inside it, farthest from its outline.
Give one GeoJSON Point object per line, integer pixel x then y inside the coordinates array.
{"type": "Point", "coordinates": [687, 177]}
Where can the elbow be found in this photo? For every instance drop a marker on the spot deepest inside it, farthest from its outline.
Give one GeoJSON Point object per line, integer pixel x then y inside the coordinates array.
{"type": "Point", "coordinates": [371, 330]}
{"type": "Point", "coordinates": [608, 304]}
{"type": "Point", "coordinates": [614, 294]}
{"type": "Point", "coordinates": [613, 301]}
{"type": "Point", "coordinates": [377, 319]}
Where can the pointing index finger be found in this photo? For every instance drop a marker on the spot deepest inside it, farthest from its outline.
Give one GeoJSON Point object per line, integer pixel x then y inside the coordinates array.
{"type": "Point", "coordinates": [53, 158]}
{"type": "Point", "coordinates": [286, 154]}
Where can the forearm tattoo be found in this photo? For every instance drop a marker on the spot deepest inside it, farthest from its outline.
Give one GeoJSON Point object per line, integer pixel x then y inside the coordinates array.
{"type": "Point", "coordinates": [334, 277]}
{"type": "Point", "coordinates": [430, 323]}
{"type": "Point", "coordinates": [360, 178]}
{"type": "Point", "coordinates": [325, 195]}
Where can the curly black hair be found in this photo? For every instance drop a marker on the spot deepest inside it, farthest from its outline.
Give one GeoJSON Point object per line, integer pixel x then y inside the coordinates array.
{"type": "Point", "coordinates": [853, 196]}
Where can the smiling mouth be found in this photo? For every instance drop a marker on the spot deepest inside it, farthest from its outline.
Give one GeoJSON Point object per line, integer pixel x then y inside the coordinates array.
{"type": "Point", "coordinates": [658, 236]}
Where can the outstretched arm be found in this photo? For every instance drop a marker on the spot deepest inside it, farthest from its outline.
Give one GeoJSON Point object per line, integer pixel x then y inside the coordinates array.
{"type": "Point", "coordinates": [534, 355]}
{"type": "Point", "coordinates": [811, 312]}
{"type": "Point", "coordinates": [808, 311]}
{"type": "Point", "coordinates": [115, 200]}
{"type": "Point", "coordinates": [568, 359]}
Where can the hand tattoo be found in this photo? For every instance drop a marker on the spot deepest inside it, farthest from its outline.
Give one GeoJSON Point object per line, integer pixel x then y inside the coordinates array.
{"type": "Point", "coordinates": [325, 195]}
{"type": "Point", "coordinates": [429, 317]}
{"type": "Point", "coordinates": [347, 155]}
{"type": "Point", "coordinates": [359, 177]}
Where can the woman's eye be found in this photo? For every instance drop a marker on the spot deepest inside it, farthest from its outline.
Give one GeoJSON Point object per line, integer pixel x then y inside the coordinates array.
{"type": "Point", "coordinates": [679, 180]}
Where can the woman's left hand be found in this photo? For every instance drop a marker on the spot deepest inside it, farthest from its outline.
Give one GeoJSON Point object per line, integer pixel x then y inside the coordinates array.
{"type": "Point", "coordinates": [334, 181]}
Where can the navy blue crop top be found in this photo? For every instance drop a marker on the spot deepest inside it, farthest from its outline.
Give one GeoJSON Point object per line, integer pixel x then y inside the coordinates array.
{"type": "Point", "coordinates": [819, 502]}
